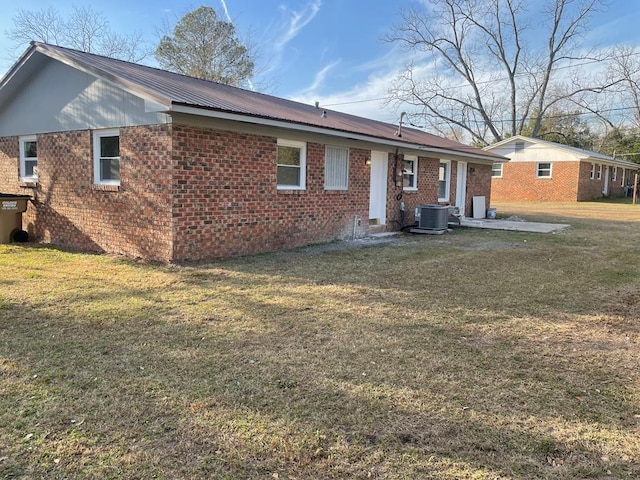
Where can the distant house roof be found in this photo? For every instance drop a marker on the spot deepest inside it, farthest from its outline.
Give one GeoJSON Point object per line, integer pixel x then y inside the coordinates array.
{"type": "Point", "coordinates": [173, 93]}
{"type": "Point", "coordinates": [579, 153]}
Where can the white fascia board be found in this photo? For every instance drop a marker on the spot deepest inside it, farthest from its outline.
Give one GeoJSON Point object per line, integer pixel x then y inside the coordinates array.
{"type": "Point", "coordinates": [16, 67]}
{"type": "Point", "coordinates": [238, 117]}
{"type": "Point", "coordinates": [610, 161]}
{"type": "Point", "coordinates": [617, 163]}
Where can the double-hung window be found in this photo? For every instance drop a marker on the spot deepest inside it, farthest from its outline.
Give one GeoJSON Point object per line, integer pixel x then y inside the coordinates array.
{"type": "Point", "coordinates": [410, 173]}
{"type": "Point", "coordinates": [336, 168]}
{"type": "Point", "coordinates": [496, 170]}
{"type": "Point", "coordinates": [291, 165]}
{"type": "Point", "coordinates": [543, 170]}
{"type": "Point", "coordinates": [614, 174]}
{"type": "Point", "coordinates": [444, 180]}
{"type": "Point", "coordinates": [592, 175]}
{"type": "Point", "coordinates": [106, 157]}
{"type": "Point", "coordinates": [28, 158]}
{"type": "Point", "coordinates": [599, 172]}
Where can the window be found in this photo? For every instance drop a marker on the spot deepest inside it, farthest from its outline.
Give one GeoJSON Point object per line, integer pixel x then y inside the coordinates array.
{"type": "Point", "coordinates": [444, 177]}
{"type": "Point", "coordinates": [622, 179]}
{"type": "Point", "coordinates": [410, 172]}
{"type": "Point", "coordinates": [614, 175]}
{"type": "Point", "coordinates": [28, 158]}
{"type": "Point", "coordinates": [336, 168]}
{"type": "Point", "coordinates": [291, 169]}
{"type": "Point", "coordinates": [593, 171]}
{"type": "Point", "coordinates": [599, 172]}
{"type": "Point", "coordinates": [496, 170]}
{"type": "Point", "coordinates": [543, 170]}
{"type": "Point", "coordinates": [106, 157]}
{"type": "Point", "coordinates": [519, 146]}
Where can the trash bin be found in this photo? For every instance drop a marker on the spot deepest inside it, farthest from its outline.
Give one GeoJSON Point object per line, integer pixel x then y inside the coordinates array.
{"type": "Point", "coordinates": [11, 209]}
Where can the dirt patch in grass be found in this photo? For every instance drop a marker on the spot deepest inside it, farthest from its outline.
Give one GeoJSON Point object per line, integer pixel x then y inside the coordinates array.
{"type": "Point", "coordinates": [473, 355]}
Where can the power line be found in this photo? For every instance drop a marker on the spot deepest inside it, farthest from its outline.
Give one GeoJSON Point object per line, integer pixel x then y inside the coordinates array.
{"type": "Point", "coordinates": [480, 82]}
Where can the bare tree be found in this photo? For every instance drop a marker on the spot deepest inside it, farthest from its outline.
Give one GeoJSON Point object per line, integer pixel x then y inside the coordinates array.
{"type": "Point", "coordinates": [625, 63]}
{"type": "Point", "coordinates": [44, 25]}
{"type": "Point", "coordinates": [482, 70]}
{"type": "Point", "coordinates": [85, 29]}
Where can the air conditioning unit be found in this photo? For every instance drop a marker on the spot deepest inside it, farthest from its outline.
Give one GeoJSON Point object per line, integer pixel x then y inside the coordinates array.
{"type": "Point", "coordinates": [432, 217]}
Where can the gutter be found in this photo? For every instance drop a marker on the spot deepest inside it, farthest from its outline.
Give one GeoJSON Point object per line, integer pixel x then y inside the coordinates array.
{"type": "Point", "coordinates": [290, 125]}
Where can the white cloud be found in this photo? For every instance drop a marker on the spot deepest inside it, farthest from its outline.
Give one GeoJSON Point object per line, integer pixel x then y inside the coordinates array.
{"type": "Point", "coordinates": [283, 33]}
{"type": "Point", "coordinates": [297, 21]}
{"type": "Point", "coordinates": [226, 10]}
{"type": "Point", "coordinates": [366, 98]}
{"type": "Point", "coordinates": [319, 78]}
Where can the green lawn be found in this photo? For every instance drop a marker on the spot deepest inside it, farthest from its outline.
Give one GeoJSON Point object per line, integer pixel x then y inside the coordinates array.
{"type": "Point", "coordinates": [472, 355]}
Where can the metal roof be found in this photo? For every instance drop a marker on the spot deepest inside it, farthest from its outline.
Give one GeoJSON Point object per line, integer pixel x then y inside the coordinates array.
{"type": "Point", "coordinates": [173, 91]}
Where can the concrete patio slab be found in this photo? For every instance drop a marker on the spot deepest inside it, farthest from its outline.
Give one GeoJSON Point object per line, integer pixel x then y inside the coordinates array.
{"type": "Point", "coordinates": [513, 225]}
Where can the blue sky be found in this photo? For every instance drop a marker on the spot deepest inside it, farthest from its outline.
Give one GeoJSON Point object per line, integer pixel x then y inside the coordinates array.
{"type": "Point", "coordinates": [329, 51]}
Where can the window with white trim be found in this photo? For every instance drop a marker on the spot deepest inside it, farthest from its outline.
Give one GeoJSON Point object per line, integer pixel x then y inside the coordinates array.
{"type": "Point", "coordinates": [592, 175]}
{"type": "Point", "coordinates": [336, 168]}
{"type": "Point", "coordinates": [28, 158]}
{"type": "Point", "coordinates": [106, 157]}
{"type": "Point", "coordinates": [543, 170]}
{"type": "Point", "coordinates": [496, 170]}
{"type": "Point", "coordinates": [614, 174]}
{"type": "Point", "coordinates": [410, 172]}
{"type": "Point", "coordinates": [600, 172]}
{"type": "Point", "coordinates": [291, 165]}
{"type": "Point", "coordinates": [444, 180]}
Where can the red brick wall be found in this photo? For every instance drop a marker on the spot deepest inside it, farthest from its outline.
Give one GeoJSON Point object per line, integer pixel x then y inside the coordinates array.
{"type": "Point", "coordinates": [588, 188]}
{"type": "Point", "coordinates": [68, 210]}
{"type": "Point", "coordinates": [519, 183]}
{"type": "Point", "coordinates": [478, 185]}
{"type": "Point", "coordinates": [427, 192]}
{"type": "Point", "coordinates": [616, 188]}
{"type": "Point", "coordinates": [226, 201]}
{"type": "Point", "coordinates": [9, 165]}
{"type": "Point", "coordinates": [191, 193]}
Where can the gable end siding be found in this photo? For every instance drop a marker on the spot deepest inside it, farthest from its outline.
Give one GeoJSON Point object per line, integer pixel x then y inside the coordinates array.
{"type": "Point", "coordinates": [60, 98]}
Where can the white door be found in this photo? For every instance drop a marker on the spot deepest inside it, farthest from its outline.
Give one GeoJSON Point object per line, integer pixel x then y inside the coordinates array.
{"type": "Point", "coordinates": [378, 194]}
{"type": "Point", "coordinates": [461, 187]}
{"type": "Point", "coordinates": [605, 189]}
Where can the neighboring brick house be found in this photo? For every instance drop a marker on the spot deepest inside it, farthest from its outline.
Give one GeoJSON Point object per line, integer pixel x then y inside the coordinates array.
{"type": "Point", "coordinates": [127, 159]}
{"type": "Point", "coordinates": [542, 171]}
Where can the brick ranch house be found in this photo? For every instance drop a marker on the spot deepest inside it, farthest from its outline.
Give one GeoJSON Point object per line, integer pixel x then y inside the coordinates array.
{"type": "Point", "coordinates": [127, 159]}
{"type": "Point", "coordinates": [542, 171]}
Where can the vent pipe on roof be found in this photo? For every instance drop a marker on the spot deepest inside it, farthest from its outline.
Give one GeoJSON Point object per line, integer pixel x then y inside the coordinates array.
{"type": "Point", "coordinates": [398, 133]}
